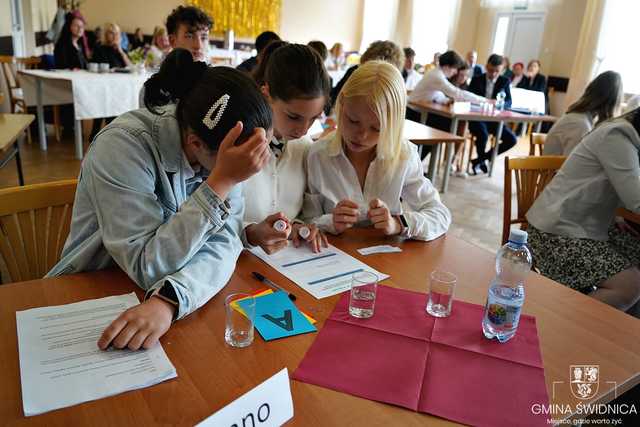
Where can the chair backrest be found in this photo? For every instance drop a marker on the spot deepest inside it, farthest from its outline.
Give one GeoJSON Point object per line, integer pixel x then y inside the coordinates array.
{"type": "Point", "coordinates": [537, 140]}
{"type": "Point", "coordinates": [34, 225]}
{"type": "Point", "coordinates": [11, 65]}
{"type": "Point", "coordinates": [532, 174]}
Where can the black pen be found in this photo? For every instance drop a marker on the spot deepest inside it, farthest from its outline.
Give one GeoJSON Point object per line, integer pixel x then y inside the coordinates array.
{"type": "Point", "coordinates": [268, 282]}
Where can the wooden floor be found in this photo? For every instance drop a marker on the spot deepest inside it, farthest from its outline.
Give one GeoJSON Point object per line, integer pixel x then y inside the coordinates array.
{"type": "Point", "coordinates": [475, 202]}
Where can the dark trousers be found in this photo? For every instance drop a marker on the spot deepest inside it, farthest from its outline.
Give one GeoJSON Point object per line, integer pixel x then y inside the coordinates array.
{"type": "Point", "coordinates": [481, 131]}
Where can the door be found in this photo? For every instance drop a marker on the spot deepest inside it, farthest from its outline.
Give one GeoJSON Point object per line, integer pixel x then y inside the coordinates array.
{"type": "Point", "coordinates": [518, 35]}
{"type": "Point", "coordinates": [17, 28]}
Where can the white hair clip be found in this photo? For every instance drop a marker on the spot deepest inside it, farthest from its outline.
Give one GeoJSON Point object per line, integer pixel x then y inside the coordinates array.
{"type": "Point", "coordinates": [220, 105]}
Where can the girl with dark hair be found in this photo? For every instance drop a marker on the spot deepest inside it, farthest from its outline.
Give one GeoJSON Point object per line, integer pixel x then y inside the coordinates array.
{"type": "Point", "coordinates": [571, 225]}
{"type": "Point", "coordinates": [260, 70]}
{"type": "Point", "coordinates": [70, 51]}
{"type": "Point", "coordinates": [158, 196]}
{"type": "Point", "coordinates": [599, 102]}
{"type": "Point", "coordinates": [296, 86]}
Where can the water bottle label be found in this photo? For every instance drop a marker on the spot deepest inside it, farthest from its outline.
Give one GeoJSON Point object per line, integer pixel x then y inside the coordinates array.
{"type": "Point", "coordinates": [504, 315]}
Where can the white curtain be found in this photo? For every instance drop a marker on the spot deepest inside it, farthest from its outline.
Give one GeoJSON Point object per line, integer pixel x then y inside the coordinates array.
{"type": "Point", "coordinates": [618, 35]}
{"type": "Point", "coordinates": [583, 67]}
{"type": "Point", "coordinates": [432, 27]}
{"type": "Point", "coordinates": [379, 21]}
{"type": "Point", "coordinates": [425, 25]}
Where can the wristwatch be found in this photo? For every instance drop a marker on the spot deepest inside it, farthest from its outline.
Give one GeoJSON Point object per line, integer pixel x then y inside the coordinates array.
{"type": "Point", "coordinates": [168, 294]}
{"type": "Point", "coordinates": [405, 225]}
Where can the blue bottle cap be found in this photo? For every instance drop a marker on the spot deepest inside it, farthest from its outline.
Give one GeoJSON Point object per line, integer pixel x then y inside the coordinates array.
{"type": "Point", "coordinates": [518, 236]}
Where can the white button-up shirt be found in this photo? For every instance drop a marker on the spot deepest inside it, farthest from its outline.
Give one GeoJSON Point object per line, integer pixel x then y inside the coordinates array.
{"type": "Point", "coordinates": [434, 85]}
{"type": "Point", "coordinates": [331, 178]}
{"type": "Point", "coordinates": [279, 186]}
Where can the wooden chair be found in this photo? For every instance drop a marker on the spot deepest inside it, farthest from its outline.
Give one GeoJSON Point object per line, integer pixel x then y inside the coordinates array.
{"type": "Point", "coordinates": [34, 225]}
{"type": "Point", "coordinates": [10, 67]}
{"type": "Point", "coordinates": [537, 140]}
{"type": "Point", "coordinates": [532, 174]}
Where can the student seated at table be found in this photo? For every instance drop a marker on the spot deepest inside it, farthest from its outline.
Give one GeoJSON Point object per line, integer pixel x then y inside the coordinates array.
{"type": "Point", "coordinates": [461, 78]}
{"type": "Point", "coordinates": [337, 58]}
{"type": "Point", "coordinates": [476, 69]}
{"type": "Point", "coordinates": [489, 85]}
{"type": "Point", "coordinates": [535, 80]}
{"type": "Point", "coordinates": [138, 39]}
{"type": "Point", "coordinates": [409, 74]}
{"type": "Point", "coordinates": [506, 70]}
{"type": "Point", "coordinates": [110, 51]}
{"type": "Point", "coordinates": [599, 102]}
{"type": "Point", "coordinates": [366, 173]}
{"type": "Point", "coordinates": [435, 87]}
{"type": "Point", "coordinates": [160, 47]}
{"type": "Point", "coordinates": [70, 52]}
{"type": "Point", "coordinates": [262, 41]}
{"type": "Point", "coordinates": [158, 196]}
{"type": "Point", "coordinates": [188, 28]}
{"type": "Point", "coordinates": [297, 86]}
{"type": "Point", "coordinates": [383, 50]}
{"type": "Point", "coordinates": [519, 78]}
{"type": "Point", "coordinates": [571, 225]}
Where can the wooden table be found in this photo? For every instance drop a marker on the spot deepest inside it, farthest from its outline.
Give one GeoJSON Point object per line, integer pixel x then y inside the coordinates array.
{"type": "Point", "coordinates": [11, 127]}
{"type": "Point", "coordinates": [421, 135]}
{"type": "Point", "coordinates": [573, 329]}
{"type": "Point", "coordinates": [500, 117]}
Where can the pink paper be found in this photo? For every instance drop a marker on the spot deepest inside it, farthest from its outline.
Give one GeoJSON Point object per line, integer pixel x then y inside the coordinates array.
{"type": "Point", "coordinates": [444, 367]}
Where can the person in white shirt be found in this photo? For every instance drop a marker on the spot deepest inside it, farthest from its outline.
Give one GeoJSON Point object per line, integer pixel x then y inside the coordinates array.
{"type": "Point", "coordinates": [600, 101]}
{"type": "Point", "coordinates": [519, 79]}
{"type": "Point", "coordinates": [409, 74]}
{"type": "Point", "coordinates": [297, 86]}
{"type": "Point", "coordinates": [571, 224]}
{"type": "Point", "coordinates": [435, 83]}
{"type": "Point", "coordinates": [366, 173]}
{"type": "Point", "coordinates": [436, 87]}
{"type": "Point", "coordinates": [160, 47]}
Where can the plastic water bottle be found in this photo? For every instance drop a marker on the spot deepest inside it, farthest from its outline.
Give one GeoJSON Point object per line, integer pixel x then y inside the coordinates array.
{"type": "Point", "coordinates": [500, 100]}
{"type": "Point", "coordinates": [506, 293]}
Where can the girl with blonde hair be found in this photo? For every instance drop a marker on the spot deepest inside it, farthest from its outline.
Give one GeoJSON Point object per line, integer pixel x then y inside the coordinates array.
{"type": "Point", "coordinates": [110, 50]}
{"type": "Point", "coordinates": [366, 173]}
{"type": "Point", "coordinates": [160, 47]}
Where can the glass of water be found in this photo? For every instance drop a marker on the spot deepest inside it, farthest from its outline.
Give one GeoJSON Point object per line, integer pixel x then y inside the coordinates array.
{"type": "Point", "coordinates": [363, 294]}
{"type": "Point", "coordinates": [440, 296]}
{"type": "Point", "coordinates": [239, 328]}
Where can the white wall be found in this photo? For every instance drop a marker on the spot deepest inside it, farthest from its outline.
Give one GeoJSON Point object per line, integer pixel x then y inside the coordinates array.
{"type": "Point", "coordinates": [5, 18]}
{"type": "Point", "coordinates": [128, 14]}
{"type": "Point", "coordinates": [330, 21]}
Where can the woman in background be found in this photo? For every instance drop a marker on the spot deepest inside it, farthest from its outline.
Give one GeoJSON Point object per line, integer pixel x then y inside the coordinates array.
{"type": "Point", "coordinates": [110, 51]}
{"type": "Point", "coordinates": [160, 47]}
{"type": "Point", "coordinates": [599, 102]}
{"type": "Point", "coordinates": [70, 51]}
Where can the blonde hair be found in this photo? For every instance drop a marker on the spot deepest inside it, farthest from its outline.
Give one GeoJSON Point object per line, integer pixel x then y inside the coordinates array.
{"type": "Point", "coordinates": [110, 26]}
{"type": "Point", "coordinates": [383, 87]}
{"type": "Point", "coordinates": [158, 31]}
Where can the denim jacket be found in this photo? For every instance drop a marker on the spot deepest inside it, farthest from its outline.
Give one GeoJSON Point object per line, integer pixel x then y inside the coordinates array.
{"type": "Point", "coordinates": [141, 206]}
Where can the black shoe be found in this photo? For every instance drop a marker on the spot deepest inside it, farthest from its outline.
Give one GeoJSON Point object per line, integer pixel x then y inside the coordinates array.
{"type": "Point", "coordinates": [477, 164]}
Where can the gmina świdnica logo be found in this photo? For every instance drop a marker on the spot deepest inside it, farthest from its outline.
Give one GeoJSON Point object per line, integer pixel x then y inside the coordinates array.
{"type": "Point", "coordinates": [584, 380]}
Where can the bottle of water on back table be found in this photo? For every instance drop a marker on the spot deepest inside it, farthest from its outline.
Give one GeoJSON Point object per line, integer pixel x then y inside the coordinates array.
{"type": "Point", "coordinates": [506, 293]}
{"type": "Point", "coordinates": [500, 98]}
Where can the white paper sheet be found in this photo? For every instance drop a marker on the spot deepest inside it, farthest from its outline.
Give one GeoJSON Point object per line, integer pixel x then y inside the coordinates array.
{"type": "Point", "coordinates": [61, 364]}
{"type": "Point", "coordinates": [322, 275]}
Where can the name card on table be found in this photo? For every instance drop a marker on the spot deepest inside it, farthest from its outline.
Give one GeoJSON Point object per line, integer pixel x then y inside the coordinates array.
{"type": "Point", "coordinates": [269, 404]}
{"type": "Point", "coordinates": [460, 107]}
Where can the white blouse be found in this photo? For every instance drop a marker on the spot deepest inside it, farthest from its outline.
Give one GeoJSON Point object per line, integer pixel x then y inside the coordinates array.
{"type": "Point", "coordinates": [279, 186]}
{"type": "Point", "coordinates": [434, 84]}
{"type": "Point", "coordinates": [331, 178]}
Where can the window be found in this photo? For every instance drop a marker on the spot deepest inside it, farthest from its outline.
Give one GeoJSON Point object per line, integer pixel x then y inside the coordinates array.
{"type": "Point", "coordinates": [616, 43]}
{"type": "Point", "coordinates": [500, 35]}
{"type": "Point", "coordinates": [432, 23]}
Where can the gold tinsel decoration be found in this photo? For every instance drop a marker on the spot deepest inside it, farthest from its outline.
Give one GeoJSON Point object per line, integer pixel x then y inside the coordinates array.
{"type": "Point", "coordinates": [247, 18]}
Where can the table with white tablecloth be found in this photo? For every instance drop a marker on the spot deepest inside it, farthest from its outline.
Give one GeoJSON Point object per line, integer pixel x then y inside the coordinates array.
{"type": "Point", "coordinates": [93, 95]}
